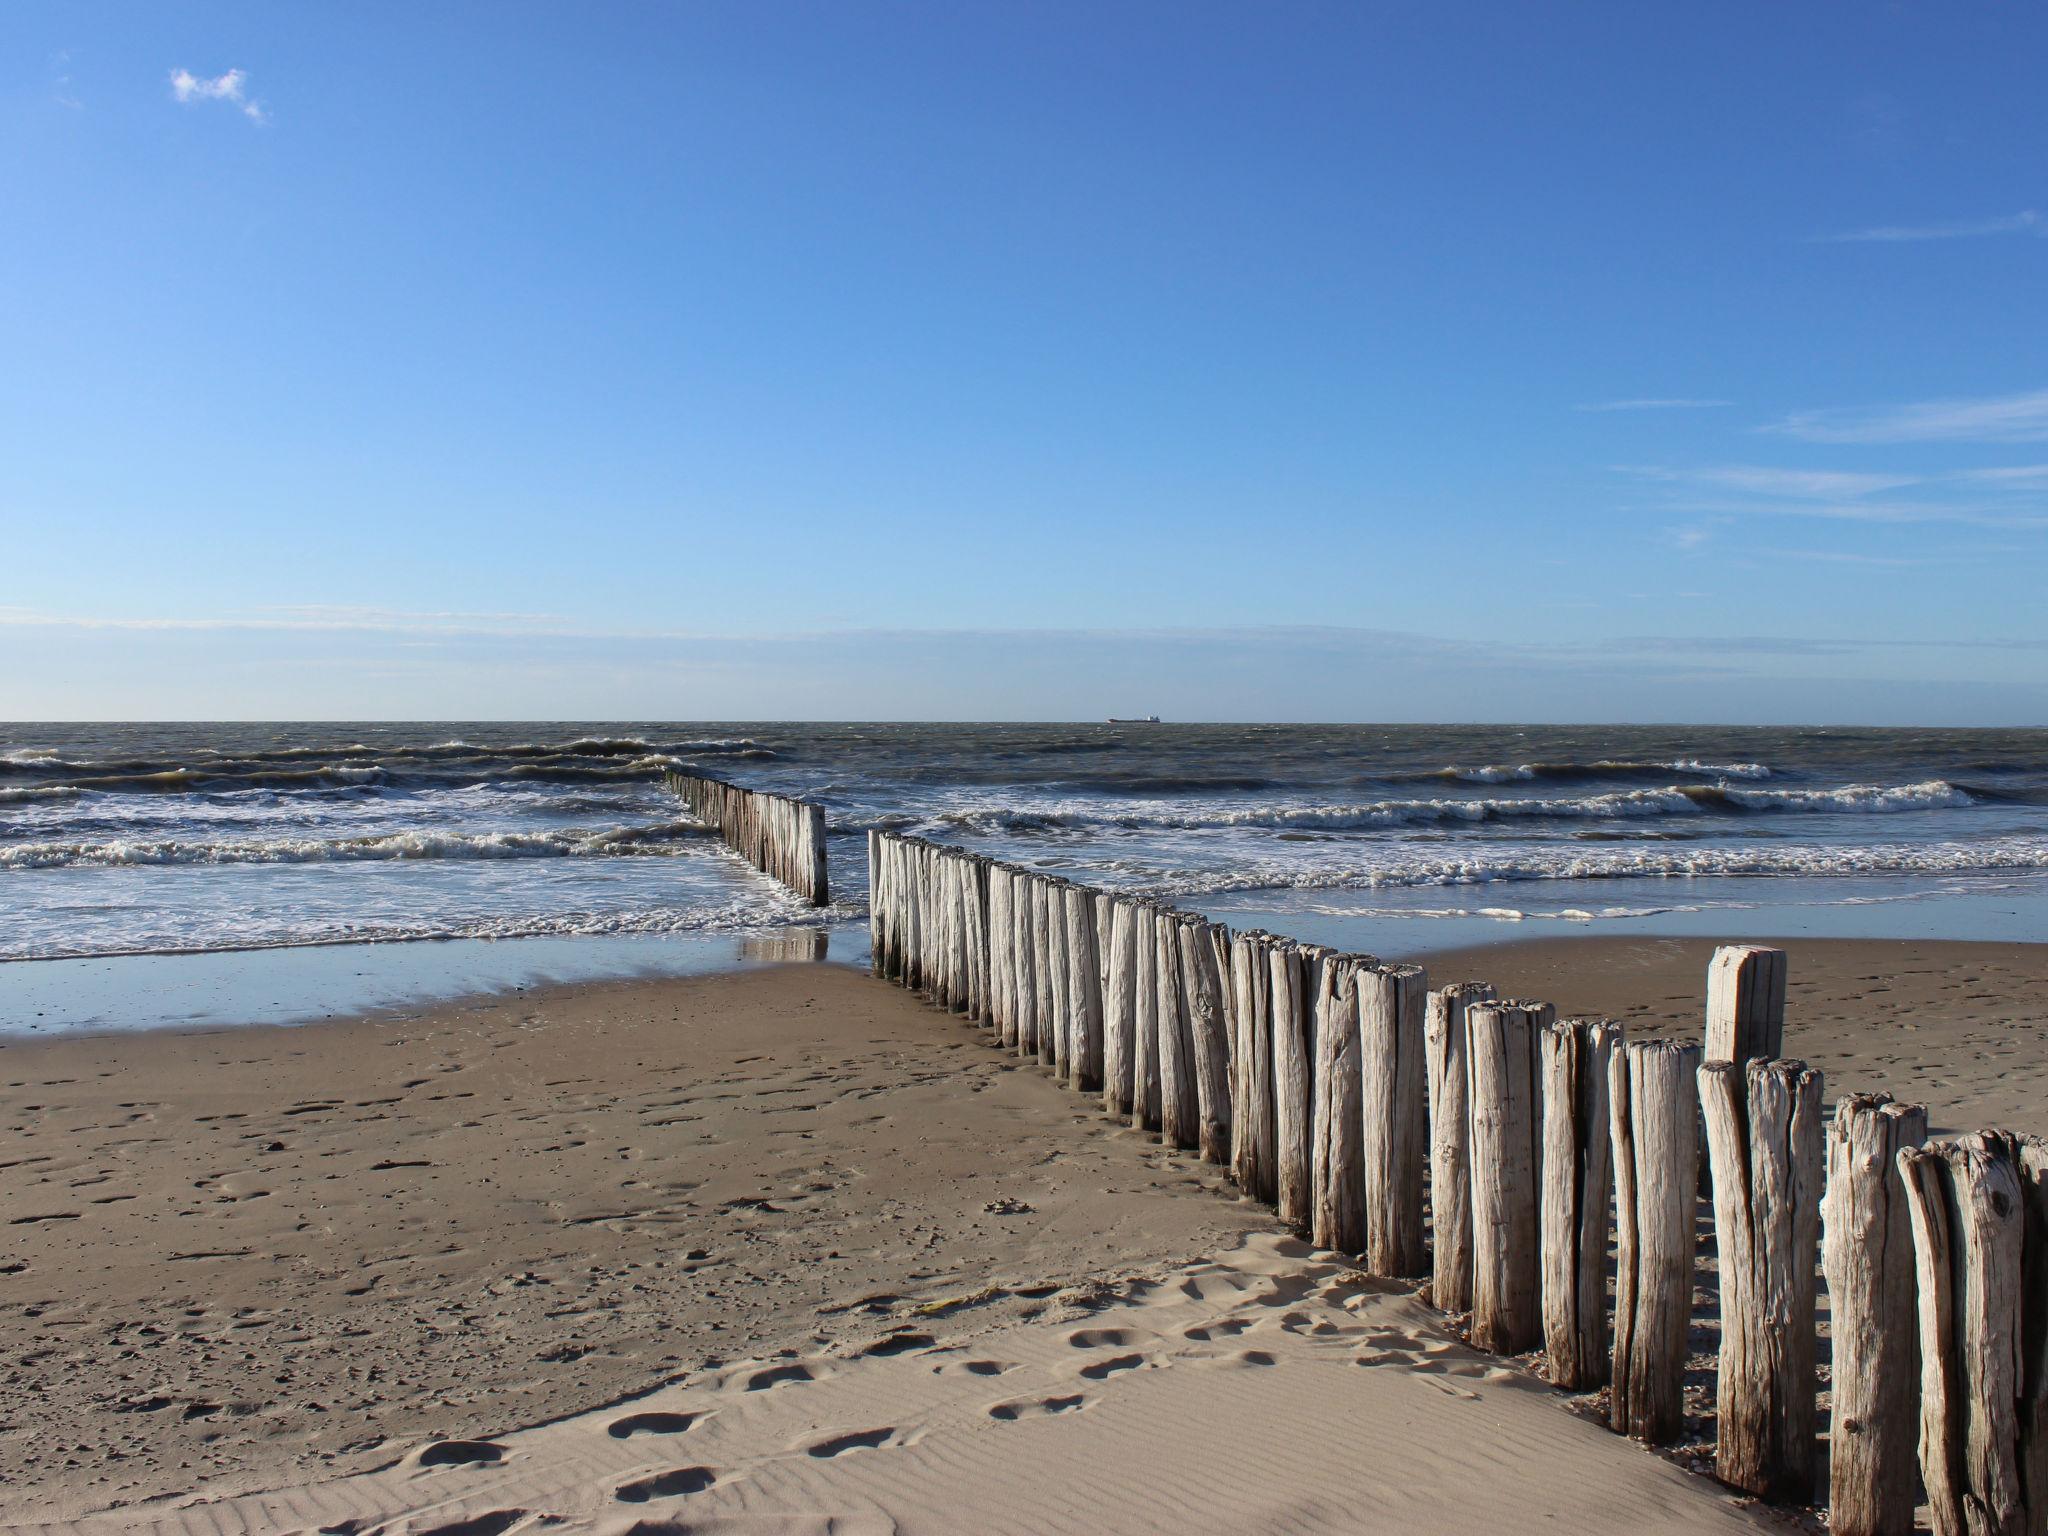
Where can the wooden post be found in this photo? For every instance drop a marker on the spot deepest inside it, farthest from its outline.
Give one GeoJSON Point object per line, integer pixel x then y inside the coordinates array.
{"type": "Point", "coordinates": [1867, 1255]}
{"type": "Point", "coordinates": [1337, 1151]}
{"type": "Point", "coordinates": [1450, 1150]}
{"type": "Point", "coordinates": [1180, 1115]}
{"type": "Point", "coordinates": [1745, 1003]}
{"type": "Point", "coordinates": [1252, 1148]}
{"type": "Point", "coordinates": [1507, 1315]}
{"type": "Point", "coordinates": [1578, 1157]}
{"type": "Point", "coordinates": [1978, 1209]}
{"type": "Point", "coordinates": [1391, 1000]}
{"type": "Point", "coordinates": [1145, 1084]}
{"type": "Point", "coordinates": [1763, 1134]}
{"type": "Point", "coordinates": [1653, 1115]}
{"type": "Point", "coordinates": [1052, 1043]}
{"type": "Point", "coordinates": [1119, 1005]}
{"type": "Point", "coordinates": [1205, 958]}
{"type": "Point", "coordinates": [1293, 971]}
{"type": "Point", "coordinates": [1084, 991]}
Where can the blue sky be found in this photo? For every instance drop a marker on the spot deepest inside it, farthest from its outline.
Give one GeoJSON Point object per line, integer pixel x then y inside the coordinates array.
{"type": "Point", "coordinates": [758, 360]}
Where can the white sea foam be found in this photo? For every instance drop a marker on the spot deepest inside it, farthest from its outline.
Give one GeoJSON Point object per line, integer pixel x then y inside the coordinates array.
{"type": "Point", "coordinates": [570, 843]}
{"type": "Point", "coordinates": [1452, 810]}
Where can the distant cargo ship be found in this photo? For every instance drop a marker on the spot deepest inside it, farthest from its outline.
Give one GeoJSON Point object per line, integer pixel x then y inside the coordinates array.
{"type": "Point", "coordinates": [1134, 720]}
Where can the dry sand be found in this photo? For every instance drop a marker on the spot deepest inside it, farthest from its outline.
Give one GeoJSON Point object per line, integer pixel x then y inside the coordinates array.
{"type": "Point", "coordinates": [402, 1272]}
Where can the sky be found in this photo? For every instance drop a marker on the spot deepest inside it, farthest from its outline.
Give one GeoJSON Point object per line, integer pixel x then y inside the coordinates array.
{"type": "Point", "coordinates": [772, 360]}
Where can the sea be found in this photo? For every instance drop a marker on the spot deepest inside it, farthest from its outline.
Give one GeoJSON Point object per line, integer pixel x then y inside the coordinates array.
{"type": "Point", "coordinates": [425, 858]}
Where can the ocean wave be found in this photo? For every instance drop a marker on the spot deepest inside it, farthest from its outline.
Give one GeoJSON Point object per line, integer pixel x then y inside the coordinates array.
{"type": "Point", "coordinates": [769, 914]}
{"type": "Point", "coordinates": [441, 762]}
{"type": "Point", "coordinates": [658, 838]}
{"type": "Point", "coordinates": [1405, 866]}
{"type": "Point", "coordinates": [38, 792]}
{"type": "Point", "coordinates": [1669, 800]}
{"type": "Point", "coordinates": [1603, 768]}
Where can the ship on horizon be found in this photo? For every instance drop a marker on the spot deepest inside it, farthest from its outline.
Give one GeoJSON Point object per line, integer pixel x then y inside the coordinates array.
{"type": "Point", "coordinates": [1133, 719]}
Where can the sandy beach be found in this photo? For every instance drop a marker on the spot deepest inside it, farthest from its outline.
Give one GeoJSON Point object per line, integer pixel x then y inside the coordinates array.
{"type": "Point", "coordinates": [421, 1268]}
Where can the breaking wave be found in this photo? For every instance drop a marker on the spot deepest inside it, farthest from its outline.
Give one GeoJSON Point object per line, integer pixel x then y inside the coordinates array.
{"type": "Point", "coordinates": [1669, 800]}
{"type": "Point", "coordinates": [660, 838]}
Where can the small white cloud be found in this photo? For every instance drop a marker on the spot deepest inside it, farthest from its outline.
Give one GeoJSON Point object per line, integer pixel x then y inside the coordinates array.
{"type": "Point", "coordinates": [229, 87]}
{"type": "Point", "coordinates": [2027, 221]}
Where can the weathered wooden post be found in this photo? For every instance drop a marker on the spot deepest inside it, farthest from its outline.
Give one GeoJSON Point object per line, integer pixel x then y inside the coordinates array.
{"type": "Point", "coordinates": [1507, 1315]}
{"type": "Point", "coordinates": [1084, 991]}
{"type": "Point", "coordinates": [1294, 971]}
{"type": "Point", "coordinates": [1119, 1010]}
{"type": "Point", "coordinates": [1763, 1134]}
{"type": "Point", "coordinates": [1180, 1113]}
{"type": "Point", "coordinates": [1204, 959]}
{"type": "Point", "coordinates": [1337, 1147]}
{"type": "Point", "coordinates": [1867, 1255]}
{"type": "Point", "coordinates": [1653, 1115]}
{"type": "Point", "coordinates": [1252, 1146]}
{"type": "Point", "coordinates": [1745, 1003]}
{"type": "Point", "coordinates": [1450, 1148]}
{"type": "Point", "coordinates": [1391, 1002]}
{"type": "Point", "coordinates": [1145, 1084]}
{"type": "Point", "coordinates": [1979, 1208]}
{"type": "Point", "coordinates": [1053, 1043]}
{"type": "Point", "coordinates": [1578, 1159]}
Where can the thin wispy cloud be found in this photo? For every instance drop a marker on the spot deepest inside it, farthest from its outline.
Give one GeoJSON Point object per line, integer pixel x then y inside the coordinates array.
{"type": "Point", "coordinates": [1765, 480]}
{"type": "Point", "coordinates": [230, 87]}
{"type": "Point", "coordinates": [60, 81]}
{"type": "Point", "coordinates": [2027, 221]}
{"type": "Point", "coordinates": [1749, 490]}
{"type": "Point", "coordinates": [2021, 418]}
{"type": "Point", "coordinates": [1654, 404]}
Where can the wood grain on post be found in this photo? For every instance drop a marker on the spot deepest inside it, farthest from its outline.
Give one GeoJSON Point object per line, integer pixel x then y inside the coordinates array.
{"type": "Point", "coordinates": [1394, 1069]}
{"type": "Point", "coordinates": [1052, 1043]}
{"type": "Point", "coordinates": [1450, 1146]}
{"type": "Point", "coordinates": [1507, 1315]}
{"type": "Point", "coordinates": [1180, 1113]}
{"type": "Point", "coordinates": [1337, 1149]}
{"type": "Point", "coordinates": [1867, 1255]}
{"type": "Point", "coordinates": [1119, 1004]}
{"type": "Point", "coordinates": [1253, 1157]}
{"type": "Point", "coordinates": [1578, 1158]}
{"type": "Point", "coordinates": [1653, 1117]}
{"type": "Point", "coordinates": [1145, 1087]}
{"type": "Point", "coordinates": [1764, 1136]}
{"type": "Point", "coordinates": [1291, 970]}
{"type": "Point", "coordinates": [1204, 960]}
{"type": "Point", "coordinates": [1970, 1200]}
{"type": "Point", "coordinates": [1745, 1003]}
{"type": "Point", "coordinates": [1084, 991]}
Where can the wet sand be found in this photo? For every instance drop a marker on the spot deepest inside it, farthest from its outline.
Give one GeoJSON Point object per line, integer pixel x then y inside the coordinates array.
{"type": "Point", "coordinates": [398, 1270]}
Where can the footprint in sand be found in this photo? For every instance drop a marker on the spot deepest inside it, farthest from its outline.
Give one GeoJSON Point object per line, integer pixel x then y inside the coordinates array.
{"type": "Point", "coordinates": [1101, 1338]}
{"type": "Point", "coordinates": [459, 1453]}
{"type": "Point", "coordinates": [900, 1344]}
{"type": "Point", "coordinates": [494, 1523]}
{"type": "Point", "coordinates": [977, 1367]}
{"type": "Point", "coordinates": [853, 1440]}
{"type": "Point", "coordinates": [651, 1424]}
{"type": "Point", "coordinates": [666, 1485]}
{"type": "Point", "coordinates": [779, 1375]}
{"type": "Point", "coordinates": [1208, 1333]}
{"type": "Point", "coordinates": [1037, 1407]}
{"type": "Point", "coordinates": [1109, 1367]}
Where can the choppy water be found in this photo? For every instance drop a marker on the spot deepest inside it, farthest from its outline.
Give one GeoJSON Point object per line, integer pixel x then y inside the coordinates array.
{"type": "Point", "coordinates": [151, 838]}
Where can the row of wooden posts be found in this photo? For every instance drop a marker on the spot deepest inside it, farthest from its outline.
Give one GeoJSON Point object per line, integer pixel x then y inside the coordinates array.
{"type": "Point", "coordinates": [779, 836]}
{"type": "Point", "coordinates": [1519, 1160]}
